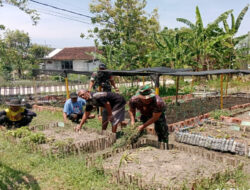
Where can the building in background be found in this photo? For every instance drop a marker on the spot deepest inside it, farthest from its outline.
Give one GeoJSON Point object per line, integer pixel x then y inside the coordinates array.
{"type": "Point", "coordinates": [73, 58]}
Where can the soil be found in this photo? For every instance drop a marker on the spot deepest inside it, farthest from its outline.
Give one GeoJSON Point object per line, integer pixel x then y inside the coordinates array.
{"type": "Point", "coordinates": [223, 131]}
{"type": "Point", "coordinates": [199, 106]}
{"type": "Point", "coordinates": [63, 134]}
{"type": "Point", "coordinates": [245, 116]}
{"type": "Point", "coordinates": [165, 167]}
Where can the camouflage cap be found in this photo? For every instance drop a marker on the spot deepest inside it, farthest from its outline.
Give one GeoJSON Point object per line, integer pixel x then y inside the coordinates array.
{"type": "Point", "coordinates": [102, 66]}
{"type": "Point", "coordinates": [146, 92]}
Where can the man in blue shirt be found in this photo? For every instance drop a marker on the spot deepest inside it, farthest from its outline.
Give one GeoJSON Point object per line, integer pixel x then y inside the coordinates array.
{"type": "Point", "coordinates": [73, 108]}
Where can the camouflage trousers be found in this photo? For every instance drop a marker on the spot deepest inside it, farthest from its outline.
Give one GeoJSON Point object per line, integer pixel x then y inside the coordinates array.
{"type": "Point", "coordinates": [161, 127]}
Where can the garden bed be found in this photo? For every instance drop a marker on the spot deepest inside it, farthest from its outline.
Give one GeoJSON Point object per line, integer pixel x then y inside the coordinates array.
{"type": "Point", "coordinates": [199, 106]}
{"type": "Point", "coordinates": [163, 168]}
{"type": "Point", "coordinates": [216, 135]}
{"type": "Point", "coordinates": [55, 139]}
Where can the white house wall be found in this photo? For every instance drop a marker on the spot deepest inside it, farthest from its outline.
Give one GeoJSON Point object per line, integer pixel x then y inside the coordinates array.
{"type": "Point", "coordinates": [83, 65]}
{"type": "Point", "coordinates": [54, 65]}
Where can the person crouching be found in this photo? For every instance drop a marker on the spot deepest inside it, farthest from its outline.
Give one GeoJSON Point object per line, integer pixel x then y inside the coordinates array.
{"type": "Point", "coordinates": [73, 108]}
{"type": "Point", "coordinates": [16, 115]}
{"type": "Point", "coordinates": [113, 103]}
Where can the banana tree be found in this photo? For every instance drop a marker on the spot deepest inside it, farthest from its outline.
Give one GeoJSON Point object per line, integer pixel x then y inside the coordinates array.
{"type": "Point", "coordinates": [201, 38]}
{"type": "Point", "coordinates": [171, 52]}
{"type": "Point", "coordinates": [232, 53]}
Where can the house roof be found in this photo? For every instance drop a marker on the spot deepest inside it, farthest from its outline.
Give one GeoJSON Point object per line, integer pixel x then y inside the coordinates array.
{"type": "Point", "coordinates": [75, 53]}
{"type": "Point", "coordinates": [51, 54]}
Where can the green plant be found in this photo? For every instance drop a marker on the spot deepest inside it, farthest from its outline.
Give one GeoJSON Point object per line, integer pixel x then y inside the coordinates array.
{"type": "Point", "coordinates": [216, 114]}
{"type": "Point", "coordinates": [27, 136]}
{"type": "Point", "coordinates": [128, 92]}
{"type": "Point", "coordinates": [127, 157]}
{"type": "Point", "coordinates": [130, 135]}
{"type": "Point", "coordinates": [19, 133]}
{"type": "Point", "coordinates": [37, 138]}
{"type": "Point", "coordinates": [187, 90]}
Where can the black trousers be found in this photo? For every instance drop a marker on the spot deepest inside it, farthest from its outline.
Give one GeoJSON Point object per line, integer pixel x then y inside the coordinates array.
{"type": "Point", "coordinates": [23, 122]}
{"type": "Point", "coordinates": [75, 117]}
{"type": "Point", "coordinates": [161, 127]}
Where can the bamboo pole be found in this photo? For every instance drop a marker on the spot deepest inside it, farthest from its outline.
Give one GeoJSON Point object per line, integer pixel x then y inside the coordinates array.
{"type": "Point", "coordinates": [192, 84]}
{"type": "Point", "coordinates": [67, 86]}
{"type": "Point", "coordinates": [221, 91]}
{"type": "Point", "coordinates": [157, 85]}
{"type": "Point", "coordinates": [35, 89]}
{"type": "Point", "coordinates": [227, 83]}
{"type": "Point", "coordinates": [177, 88]}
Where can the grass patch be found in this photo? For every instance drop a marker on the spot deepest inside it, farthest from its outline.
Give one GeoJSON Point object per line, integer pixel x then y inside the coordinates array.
{"type": "Point", "coordinates": [229, 180]}
{"type": "Point", "coordinates": [20, 169]}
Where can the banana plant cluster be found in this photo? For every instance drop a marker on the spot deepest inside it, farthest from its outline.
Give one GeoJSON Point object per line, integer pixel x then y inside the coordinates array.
{"type": "Point", "coordinates": [200, 47]}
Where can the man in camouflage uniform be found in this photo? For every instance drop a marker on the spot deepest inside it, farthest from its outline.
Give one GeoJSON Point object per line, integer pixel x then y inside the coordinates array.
{"type": "Point", "coordinates": [152, 109]}
{"type": "Point", "coordinates": [105, 81]}
{"type": "Point", "coordinates": [102, 79]}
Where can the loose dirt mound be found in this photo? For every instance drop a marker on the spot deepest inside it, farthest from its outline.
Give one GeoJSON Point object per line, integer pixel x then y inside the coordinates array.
{"type": "Point", "coordinates": [169, 168]}
{"type": "Point", "coordinates": [244, 116]}
{"type": "Point", "coordinates": [62, 134]}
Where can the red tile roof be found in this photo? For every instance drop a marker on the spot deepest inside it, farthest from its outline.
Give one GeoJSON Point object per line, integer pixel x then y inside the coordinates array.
{"type": "Point", "coordinates": [76, 53]}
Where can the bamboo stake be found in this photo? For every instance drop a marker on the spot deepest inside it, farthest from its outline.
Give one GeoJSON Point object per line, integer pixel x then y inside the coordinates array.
{"type": "Point", "coordinates": [227, 83]}
{"type": "Point", "coordinates": [221, 91]}
{"type": "Point", "coordinates": [177, 88]}
{"type": "Point", "coordinates": [67, 86]}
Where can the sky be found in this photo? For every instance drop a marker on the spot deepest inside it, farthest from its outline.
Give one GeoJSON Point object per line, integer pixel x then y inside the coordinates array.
{"type": "Point", "coordinates": [60, 32]}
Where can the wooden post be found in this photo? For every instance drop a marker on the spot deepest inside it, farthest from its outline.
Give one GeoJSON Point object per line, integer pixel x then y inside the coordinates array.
{"type": "Point", "coordinates": [177, 88]}
{"type": "Point", "coordinates": [227, 83]}
{"type": "Point", "coordinates": [192, 84]}
{"type": "Point", "coordinates": [67, 85]}
{"type": "Point", "coordinates": [34, 87]}
{"type": "Point", "coordinates": [221, 91]}
{"type": "Point", "coordinates": [143, 80]}
{"type": "Point", "coordinates": [157, 84]}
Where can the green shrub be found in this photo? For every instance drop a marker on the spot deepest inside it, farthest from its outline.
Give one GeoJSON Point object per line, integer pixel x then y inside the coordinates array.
{"type": "Point", "coordinates": [20, 132]}
{"type": "Point", "coordinates": [167, 91]}
{"type": "Point", "coordinates": [128, 92]}
{"type": "Point", "coordinates": [37, 138]}
{"type": "Point", "coordinates": [27, 136]}
{"type": "Point", "coordinates": [217, 113]}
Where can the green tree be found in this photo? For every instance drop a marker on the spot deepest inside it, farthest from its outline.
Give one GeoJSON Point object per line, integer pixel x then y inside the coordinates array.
{"type": "Point", "coordinates": [5, 66]}
{"type": "Point", "coordinates": [124, 32]}
{"type": "Point", "coordinates": [17, 46]}
{"type": "Point", "coordinates": [171, 49]}
{"type": "Point", "coordinates": [205, 42]}
{"type": "Point", "coordinates": [232, 53]}
{"type": "Point", "coordinates": [37, 52]}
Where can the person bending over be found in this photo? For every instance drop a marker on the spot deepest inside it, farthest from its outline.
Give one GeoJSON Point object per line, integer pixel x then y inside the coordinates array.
{"type": "Point", "coordinates": [152, 109]}
{"type": "Point", "coordinates": [112, 102]}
